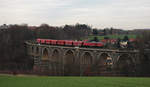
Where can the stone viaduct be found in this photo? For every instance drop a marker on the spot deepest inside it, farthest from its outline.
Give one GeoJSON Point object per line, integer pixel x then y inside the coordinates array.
{"type": "Point", "coordinates": [63, 60]}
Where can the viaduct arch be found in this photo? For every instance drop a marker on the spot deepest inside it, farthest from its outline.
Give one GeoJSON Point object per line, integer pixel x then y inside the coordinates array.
{"type": "Point", "coordinates": [125, 64]}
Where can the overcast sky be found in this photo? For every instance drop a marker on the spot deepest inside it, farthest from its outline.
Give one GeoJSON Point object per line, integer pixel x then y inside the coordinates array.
{"type": "Point", "coordinates": [126, 14]}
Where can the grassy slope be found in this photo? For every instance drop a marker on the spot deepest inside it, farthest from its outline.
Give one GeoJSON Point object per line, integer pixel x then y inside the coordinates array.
{"type": "Point", "coordinates": [27, 81]}
{"type": "Point", "coordinates": [112, 36]}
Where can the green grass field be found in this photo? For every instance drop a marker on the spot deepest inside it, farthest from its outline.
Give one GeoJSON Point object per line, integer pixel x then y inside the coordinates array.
{"type": "Point", "coordinates": [112, 37]}
{"type": "Point", "coordinates": [43, 81]}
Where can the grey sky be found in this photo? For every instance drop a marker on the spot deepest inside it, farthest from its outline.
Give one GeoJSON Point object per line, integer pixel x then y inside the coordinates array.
{"type": "Point", "coordinates": [127, 14]}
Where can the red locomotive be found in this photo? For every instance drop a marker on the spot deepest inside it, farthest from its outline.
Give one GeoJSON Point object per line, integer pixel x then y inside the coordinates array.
{"type": "Point", "coordinates": [70, 43]}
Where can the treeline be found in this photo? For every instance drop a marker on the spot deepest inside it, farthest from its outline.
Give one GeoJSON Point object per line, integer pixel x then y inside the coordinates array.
{"type": "Point", "coordinates": [69, 32]}
{"type": "Point", "coordinates": [111, 31]}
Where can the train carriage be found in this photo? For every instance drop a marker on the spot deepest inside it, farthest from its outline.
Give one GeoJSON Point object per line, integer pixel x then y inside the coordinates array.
{"type": "Point", "coordinates": [70, 43]}
{"type": "Point", "coordinates": [99, 44]}
{"type": "Point", "coordinates": [53, 42]}
{"type": "Point", "coordinates": [77, 43]}
{"type": "Point", "coordinates": [89, 44]}
{"type": "Point", "coordinates": [38, 40]}
{"type": "Point", "coordinates": [61, 42]}
{"type": "Point", "coordinates": [42, 41]}
{"type": "Point", "coordinates": [47, 41]}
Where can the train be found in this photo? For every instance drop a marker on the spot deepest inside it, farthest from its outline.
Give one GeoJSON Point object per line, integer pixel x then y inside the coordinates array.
{"type": "Point", "coordinates": [70, 43]}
